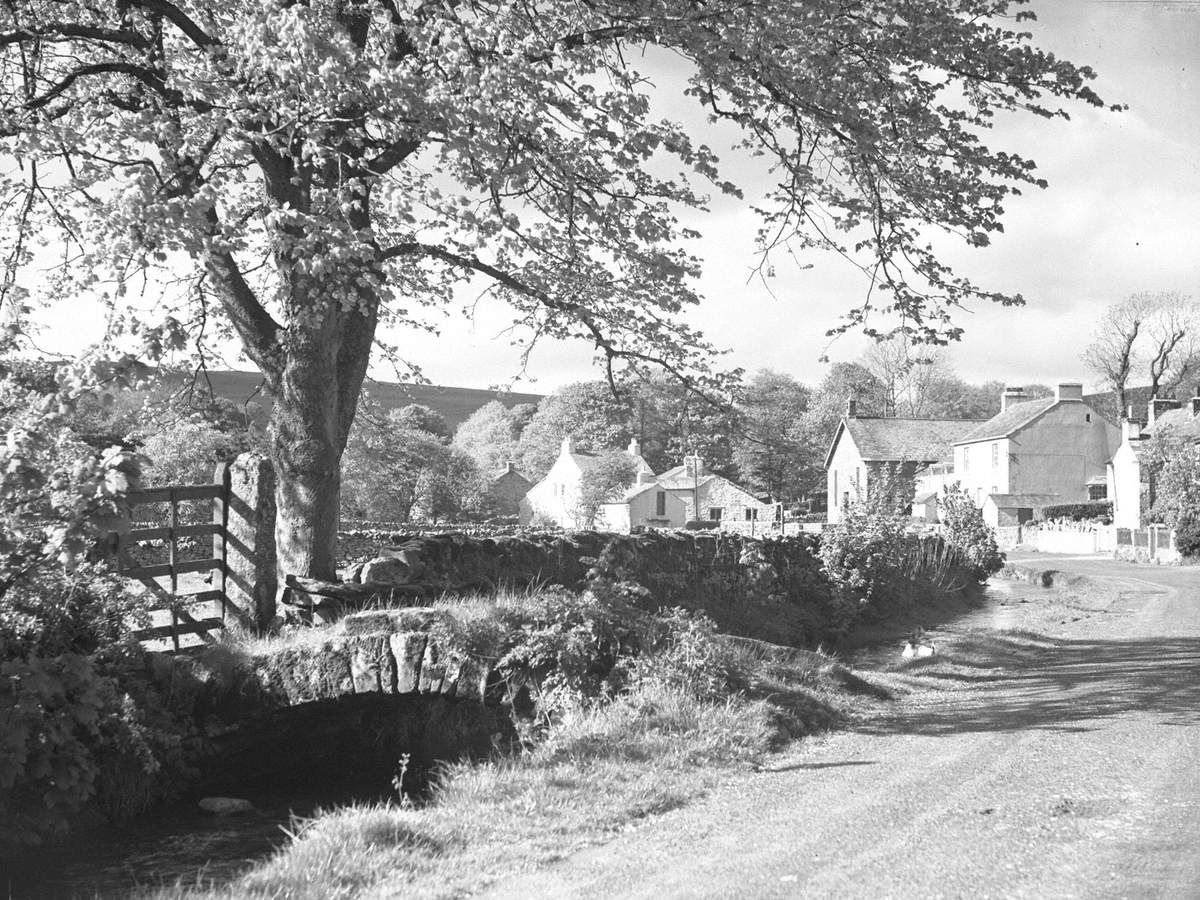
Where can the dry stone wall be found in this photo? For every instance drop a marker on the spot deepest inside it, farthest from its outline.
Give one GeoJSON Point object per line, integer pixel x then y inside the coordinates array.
{"type": "Point", "coordinates": [769, 588]}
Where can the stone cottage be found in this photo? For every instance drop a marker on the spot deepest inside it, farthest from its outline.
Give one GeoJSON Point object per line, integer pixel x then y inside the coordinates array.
{"type": "Point", "coordinates": [647, 504]}
{"type": "Point", "coordinates": [507, 489]}
{"type": "Point", "coordinates": [714, 498]}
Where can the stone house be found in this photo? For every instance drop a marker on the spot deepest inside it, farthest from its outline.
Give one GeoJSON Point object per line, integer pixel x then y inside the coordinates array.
{"type": "Point", "coordinates": [646, 503]}
{"type": "Point", "coordinates": [555, 500]}
{"type": "Point", "coordinates": [1053, 450]}
{"type": "Point", "coordinates": [1129, 492]}
{"type": "Point", "coordinates": [507, 488]}
{"type": "Point", "coordinates": [714, 498]}
{"type": "Point", "coordinates": [863, 446]}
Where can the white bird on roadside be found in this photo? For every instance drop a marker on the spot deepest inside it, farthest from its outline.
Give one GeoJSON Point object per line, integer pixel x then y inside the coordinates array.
{"type": "Point", "coordinates": [917, 647]}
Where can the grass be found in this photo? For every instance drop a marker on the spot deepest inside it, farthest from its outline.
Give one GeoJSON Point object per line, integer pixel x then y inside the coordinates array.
{"type": "Point", "coordinates": [599, 768]}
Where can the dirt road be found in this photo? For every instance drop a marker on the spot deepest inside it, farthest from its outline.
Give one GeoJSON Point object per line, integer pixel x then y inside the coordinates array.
{"type": "Point", "coordinates": [1060, 760]}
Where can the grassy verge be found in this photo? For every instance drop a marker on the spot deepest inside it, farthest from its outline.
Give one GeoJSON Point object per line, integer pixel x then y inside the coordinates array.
{"type": "Point", "coordinates": [668, 737]}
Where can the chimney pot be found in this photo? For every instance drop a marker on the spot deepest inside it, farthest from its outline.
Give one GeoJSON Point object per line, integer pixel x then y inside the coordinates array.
{"type": "Point", "coordinates": [568, 444]}
{"type": "Point", "coordinates": [851, 408]}
{"type": "Point", "coordinates": [635, 447]}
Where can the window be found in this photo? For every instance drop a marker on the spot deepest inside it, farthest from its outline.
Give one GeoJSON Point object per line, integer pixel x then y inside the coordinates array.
{"type": "Point", "coordinates": [1097, 491]}
{"type": "Point", "coordinates": [857, 477]}
{"type": "Point", "coordinates": [751, 515]}
{"type": "Point", "coordinates": [995, 459]}
{"type": "Point", "coordinates": [966, 458]}
{"type": "Point", "coordinates": [714, 513]}
{"type": "Point", "coordinates": [1087, 417]}
{"type": "Point", "coordinates": [660, 504]}
{"type": "Point", "coordinates": [835, 491]}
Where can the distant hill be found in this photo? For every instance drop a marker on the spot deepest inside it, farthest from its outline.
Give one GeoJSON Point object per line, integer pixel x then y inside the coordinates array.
{"type": "Point", "coordinates": [455, 404]}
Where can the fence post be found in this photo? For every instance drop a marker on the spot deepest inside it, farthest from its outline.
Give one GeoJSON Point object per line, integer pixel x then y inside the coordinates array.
{"type": "Point", "coordinates": [250, 577]}
{"type": "Point", "coordinates": [220, 517]}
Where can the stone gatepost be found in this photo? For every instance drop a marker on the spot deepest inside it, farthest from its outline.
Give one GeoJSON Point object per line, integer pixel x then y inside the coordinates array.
{"type": "Point", "coordinates": [250, 579]}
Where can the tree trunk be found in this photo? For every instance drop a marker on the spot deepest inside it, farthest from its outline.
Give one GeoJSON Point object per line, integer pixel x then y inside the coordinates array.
{"type": "Point", "coordinates": [314, 405]}
{"type": "Point", "coordinates": [306, 453]}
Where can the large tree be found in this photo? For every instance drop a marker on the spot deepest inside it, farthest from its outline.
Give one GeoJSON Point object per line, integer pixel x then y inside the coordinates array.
{"type": "Point", "coordinates": [298, 173]}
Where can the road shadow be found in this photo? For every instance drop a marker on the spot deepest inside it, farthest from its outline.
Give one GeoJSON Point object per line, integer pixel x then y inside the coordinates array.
{"type": "Point", "coordinates": [1063, 685]}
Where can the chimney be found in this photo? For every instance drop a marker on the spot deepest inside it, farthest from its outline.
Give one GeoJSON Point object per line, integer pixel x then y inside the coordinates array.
{"type": "Point", "coordinates": [1158, 406]}
{"type": "Point", "coordinates": [1130, 431]}
{"type": "Point", "coordinates": [1009, 396]}
{"type": "Point", "coordinates": [635, 447]}
{"type": "Point", "coordinates": [1069, 390]}
{"type": "Point", "coordinates": [852, 408]}
{"type": "Point", "coordinates": [693, 466]}
{"type": "Point", "coordinates": [510, 466]}
{"type": "Point", "coordinates": [568, 444]}
{"type": "Point", "coordinates": [646, 478]}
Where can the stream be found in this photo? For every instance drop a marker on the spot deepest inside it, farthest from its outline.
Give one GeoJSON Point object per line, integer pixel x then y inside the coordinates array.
{"type": "Point", "coordinates": [176, 843]}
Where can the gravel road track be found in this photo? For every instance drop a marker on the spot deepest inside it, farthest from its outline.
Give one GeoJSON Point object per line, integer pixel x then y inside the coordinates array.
{"type": "Point", "coordinates": [1060, 759]}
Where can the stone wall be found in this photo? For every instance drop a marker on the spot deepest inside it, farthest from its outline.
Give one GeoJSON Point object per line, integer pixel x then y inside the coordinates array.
{"type": "Point", "coordinates": [771, 588]}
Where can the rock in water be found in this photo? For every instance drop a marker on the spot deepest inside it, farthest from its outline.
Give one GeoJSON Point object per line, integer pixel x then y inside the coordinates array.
{"type": "Point", "coordinates": [226, 806]}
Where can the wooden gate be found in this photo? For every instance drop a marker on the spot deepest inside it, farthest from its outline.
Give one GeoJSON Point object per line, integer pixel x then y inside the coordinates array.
{"type": "Point", "coordinates": [163, 578]}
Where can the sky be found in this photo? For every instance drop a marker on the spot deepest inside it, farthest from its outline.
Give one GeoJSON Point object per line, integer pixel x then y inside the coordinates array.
{"type": "Point", "coordinates": [1121, 215]}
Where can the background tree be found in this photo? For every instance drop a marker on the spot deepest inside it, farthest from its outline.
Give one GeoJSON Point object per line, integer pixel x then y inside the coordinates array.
{"type": "Point", "coordinates": [672, 422]}
{"type": "Point", "coordinates": [768, 450]}
{"type": "Point", "coordinates": [490, 435]}
{"type": "Point", "coordinates": [588, 411]}
{"type": "Point", "coordinates": [421, 418]}
{"type": "Point", "coordinates": [396, 473]}
{"type": "Point", "coordinates": [298, 173]}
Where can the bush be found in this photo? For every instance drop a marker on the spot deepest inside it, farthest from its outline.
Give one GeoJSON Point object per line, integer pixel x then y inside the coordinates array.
{"type": "Point", "coordinates": [1095, 510]}
{"type": "Point", "coordinates": [966, 532]}
{"type": "Point", "coordinates": [860, 551]}
{"type": "Point", "coordinates": [64, 620]}
{"type": "Point", "coordinates": [1187, 534]}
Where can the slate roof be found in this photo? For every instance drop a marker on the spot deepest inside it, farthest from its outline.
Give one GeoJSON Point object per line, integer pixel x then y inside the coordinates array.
{"type": "Point", "coordinates": [1180, 420]}
{"type": "Point", "coordinates": [632, 492]}
{"type": "Point", "coordinates": [910, 440]}
{"type": "Point", "coordinates": [677, 478]}
{"type": "Point", "coordinates": [1012, 419]}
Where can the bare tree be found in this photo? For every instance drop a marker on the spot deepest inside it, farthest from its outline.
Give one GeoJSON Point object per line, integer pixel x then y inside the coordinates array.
{"type": "Point", "coordinates": [910, 375]}
{"type": "Point", "coordinates": [1153, 333]}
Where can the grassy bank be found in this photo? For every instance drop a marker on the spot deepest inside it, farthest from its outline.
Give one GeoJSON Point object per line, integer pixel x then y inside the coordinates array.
{"type": "Point", "coordinates": [600, 765]}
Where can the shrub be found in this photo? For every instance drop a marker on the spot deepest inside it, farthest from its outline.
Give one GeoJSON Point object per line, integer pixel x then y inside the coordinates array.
{"type": "Point", "coordinates": [688, 654]}
{"type": "Point", "coordinates": [860, 551]}
{"type": "Point", "coordinates": [1177, 495]}
{"type": "Point", "coordinates": [1096, 510]}
{"type": "Point", "coordinates": [64, 718]}
{"type": "Point", "coordinates": [1187, 533]}
{"type": "Point", "coordinates": [966, 532]}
